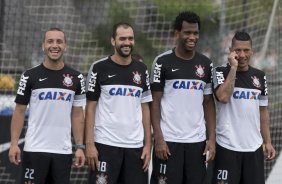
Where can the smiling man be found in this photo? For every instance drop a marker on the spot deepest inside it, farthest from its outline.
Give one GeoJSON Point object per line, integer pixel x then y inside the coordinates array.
{"type": "Point", "coordinates": [182, 107]}
{"type": "Point", "coordinates": [55, 94]}
{"type": "Point", "coordinates": [118, 133]}
{"type": "Point", "coordinates": [243, 119]}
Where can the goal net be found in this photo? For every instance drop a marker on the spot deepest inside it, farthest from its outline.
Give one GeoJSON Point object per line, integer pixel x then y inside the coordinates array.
{"type": "Point", "coordinates": [88, 26]}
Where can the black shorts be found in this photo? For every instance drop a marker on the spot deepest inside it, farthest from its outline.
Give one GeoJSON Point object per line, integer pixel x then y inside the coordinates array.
{"type": "Point", "coordinates": [234, 167]}
{"type": "Point", "coordinates": [185, 165]}
{"type": "Point", "coordinates": [119, 165]}
{"type": "Point", "coordinates": [41, 168]}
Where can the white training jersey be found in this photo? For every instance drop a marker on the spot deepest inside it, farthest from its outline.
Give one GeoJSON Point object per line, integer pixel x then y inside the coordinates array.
{"type": "Point", "coordinates": [184, 84]}
{"type": "Point", "coordinates": [50, 95]}
{"type": "Point", "coordinates": [238, 121]}
{"type": "Point", "coordinates": [120, 90]}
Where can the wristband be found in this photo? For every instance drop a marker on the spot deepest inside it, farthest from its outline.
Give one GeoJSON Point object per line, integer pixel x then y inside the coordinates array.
{"type": "Point", "coordinates": [79, 146]}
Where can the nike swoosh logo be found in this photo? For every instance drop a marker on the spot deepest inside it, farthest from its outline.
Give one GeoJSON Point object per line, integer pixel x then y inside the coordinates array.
{"type": "Point", "coordinates": [110, 76]}
{"type": "Point", "coordinates": [42, 79]}
{"type": "Point", "coordinates": [173, 70]}
{"type": "Point", "coordinates": [6, 146]}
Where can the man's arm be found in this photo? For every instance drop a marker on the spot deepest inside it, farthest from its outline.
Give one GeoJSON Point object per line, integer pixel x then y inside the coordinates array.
{"type": "Point", "coordinates": [264, 126]}
{"type": "Point", "coordinates": [225, 90]}
{"type": "Point", "coordinates": [161, 148]}
{"type": "Point", "coordinates": [16, 129]}
{"type": "Point", "coordinates": [91, 150]}
{"type": "Point", "coordinates": [146, 154]}
{"type": "Point", "coordinates": [77, 119]}
{"type": "Point", "coordinates": [209, 111]}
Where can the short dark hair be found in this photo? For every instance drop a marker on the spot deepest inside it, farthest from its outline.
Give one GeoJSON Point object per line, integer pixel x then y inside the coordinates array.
{"type": "Point", "coordinates": [54, 29]}
{"type": "Point", "coordinates": [116, 26]}
{"type": "Point", "coordinates": [187, 16]}
{"type": "Point", "coordinates": [241, 36]}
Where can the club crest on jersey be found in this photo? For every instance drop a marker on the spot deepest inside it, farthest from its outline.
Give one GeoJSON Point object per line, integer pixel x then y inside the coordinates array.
{"type": "Point", "coordinates": [162, 180]}
{"type": "Point", "coordinates": [136, 77]}
{"type": "Point", "coordinates": [102, 179]}
{"type": "Point", "coordinates": [67, 80]}
{"type": "Point", "coordinates": [200, 71]}
{"type": "Point", "coordinates": [256, 82]}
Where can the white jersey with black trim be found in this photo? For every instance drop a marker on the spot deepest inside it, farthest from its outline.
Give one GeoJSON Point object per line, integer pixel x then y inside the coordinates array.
{"type": "Point", "coordinates": [184, 84]}
{"type": "Point", "coordinates": [120, 90]}
{"type": "Point", "coordinates": [238, 121]}
{"type": "Point", "coordinates": [51, 94]}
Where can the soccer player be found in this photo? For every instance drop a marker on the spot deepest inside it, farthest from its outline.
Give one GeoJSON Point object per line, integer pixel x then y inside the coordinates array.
{"type": "Point", "coordinates": [118, 133]}
{"type": "Point", "coordinates": [182, 106]}
{"type": "Point", "coordinates": [243, 119]}
{"type": "Point", "coordinates": [55, 94]}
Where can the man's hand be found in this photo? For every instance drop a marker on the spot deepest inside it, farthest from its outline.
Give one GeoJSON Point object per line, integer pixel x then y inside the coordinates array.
{"type": "Point", "coordinates": [270, 151]}
{"type": "Point", "coordinates": [146, 157]}
{"type": "Point", "coordinates": [79, 158]}
{"type": "Point", "coordinates": [92, 156]}
{"type": "Point", "coordinates": [162, 150]}
{"type": "Point", "coordinates": [15, 154]}
{"type": "Point", "coordinates": [209, 150]}
{"type": "Point", "coordinates": [233, 59]}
